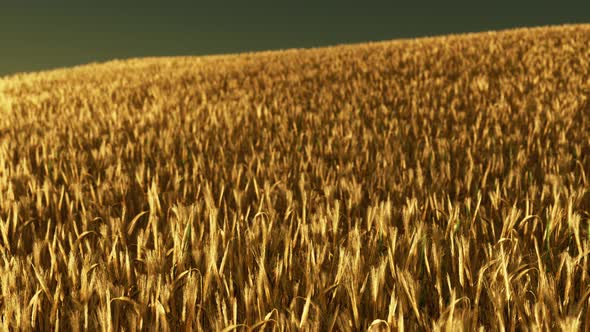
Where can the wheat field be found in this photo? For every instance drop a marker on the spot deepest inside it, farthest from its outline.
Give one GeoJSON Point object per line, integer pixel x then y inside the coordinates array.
{"type": "Point", "coordinates": [424, 184]}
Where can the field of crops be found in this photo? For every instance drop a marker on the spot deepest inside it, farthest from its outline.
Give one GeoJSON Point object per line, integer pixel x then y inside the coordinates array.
{"type": "Point", "coordinates": [413, 184]}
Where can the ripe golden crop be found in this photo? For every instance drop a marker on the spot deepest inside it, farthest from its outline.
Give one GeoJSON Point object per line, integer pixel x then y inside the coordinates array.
{"type": "Point", "coordinates": [414, 184]}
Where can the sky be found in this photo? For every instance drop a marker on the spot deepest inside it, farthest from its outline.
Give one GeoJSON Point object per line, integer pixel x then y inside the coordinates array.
{"type": "Point", "coordinates": [37, 35]}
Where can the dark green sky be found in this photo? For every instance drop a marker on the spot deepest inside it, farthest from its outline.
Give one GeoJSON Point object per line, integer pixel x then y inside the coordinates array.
{"type": "Point", "coordinates": [36, 35]}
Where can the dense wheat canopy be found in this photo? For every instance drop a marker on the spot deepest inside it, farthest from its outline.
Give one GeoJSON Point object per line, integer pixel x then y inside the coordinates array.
{"type": "Point", "coordinates": [412, 184]}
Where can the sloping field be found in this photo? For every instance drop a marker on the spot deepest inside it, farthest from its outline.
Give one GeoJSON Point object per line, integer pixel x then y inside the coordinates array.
{"type": "Point", "coordinates": [412, 184]}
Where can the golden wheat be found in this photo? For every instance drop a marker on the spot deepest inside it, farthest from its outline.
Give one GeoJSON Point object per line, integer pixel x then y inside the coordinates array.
{"type": "Point", "coordinates": [428, 184]}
